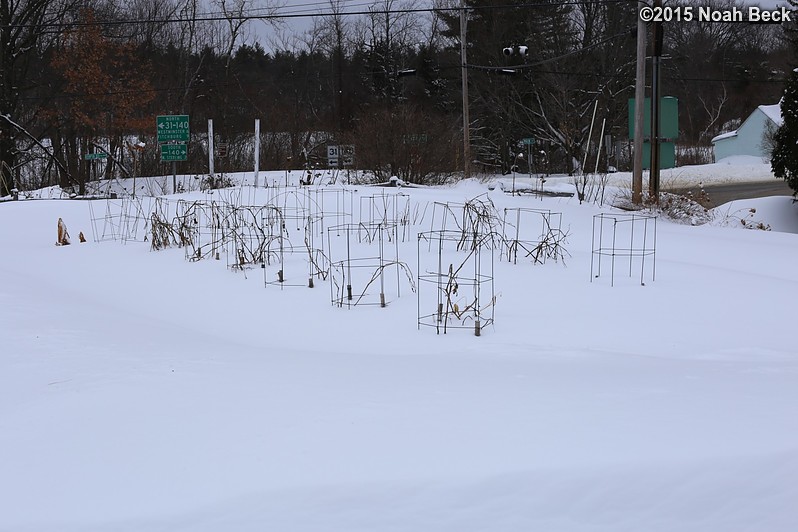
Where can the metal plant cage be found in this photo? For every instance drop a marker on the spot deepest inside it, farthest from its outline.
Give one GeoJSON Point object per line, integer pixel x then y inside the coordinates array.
{"type": "Point", "coordinates": [297, 255]}
{"type": "Point", "coordinates": [120, 219]}
{"type": "Point", "coordinates": [202, 228]}
{"type": "Point", "coordinates": [303, 213]}
{"type": "Point", "coordinates": [387, 209]}
{"type": "Point", "coordinates": [333, 206]}
{"type": "Point", "coordinates": [476, 220]}
{"type": "Point", "coordinates": [629, 238]}
{"type": "Point", "coordinates": [535, 234]}
{"type": "Point", "coordinates": [455, 284]}
{"type": "Point", "coordinates": [364, 264]}
{"type": "Point", "coordinates": [212, 229]}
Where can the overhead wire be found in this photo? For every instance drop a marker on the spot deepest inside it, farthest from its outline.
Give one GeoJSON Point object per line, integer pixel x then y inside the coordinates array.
{"type": "Point", "coordinates": [217, 16]}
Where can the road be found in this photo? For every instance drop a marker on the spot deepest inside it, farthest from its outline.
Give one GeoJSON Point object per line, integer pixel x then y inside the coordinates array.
{"type": "Point", "coordinates": [720, 194]}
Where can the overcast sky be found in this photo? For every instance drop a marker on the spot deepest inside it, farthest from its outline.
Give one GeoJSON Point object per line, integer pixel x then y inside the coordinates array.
{"type": "Point", "coordinates": [291, 27]}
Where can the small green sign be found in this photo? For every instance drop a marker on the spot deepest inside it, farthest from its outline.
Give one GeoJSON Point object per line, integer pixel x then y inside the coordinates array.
{"type": "Point", "coordinates": [174, 152]}
{"type": "Point", "coordinates": [669, 118]}
{"type": "Point", "coordinates": [172, 128]}
{"type": "Point", "coordinates": [415, 138]}
{"type": "Point", "coordinates": [95, 156]}
{"type": "Point", "coordinates": [529, 141]}
{"type": "Point", "coordinates": [668, 130]}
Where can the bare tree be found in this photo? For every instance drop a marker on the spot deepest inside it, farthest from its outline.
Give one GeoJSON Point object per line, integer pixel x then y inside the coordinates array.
{"type": "Point", "coordinates": [25, 32]}
{"type": "Point", "coordinates": [385, 35]}
{"type": "Point", "coordinates": [713, 105]}
{"type": "Point", "coordinates": [331, 35]}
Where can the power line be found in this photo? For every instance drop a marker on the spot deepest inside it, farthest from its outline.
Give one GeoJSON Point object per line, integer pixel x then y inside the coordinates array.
{"type": "Point", "coordinates": [255, 15]}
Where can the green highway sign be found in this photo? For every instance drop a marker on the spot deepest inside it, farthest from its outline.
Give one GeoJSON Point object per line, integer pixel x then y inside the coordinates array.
{"type": "Point", "coordinates": [95, 156]}
{"type": "Point", "coordinates": [415, 138]}
{"type": "Point", "coordinates": [172, 128]}
{"type": "Point", "coordinates": [174, 152]}
{"type": "Point", "coordinates": [529, 141]}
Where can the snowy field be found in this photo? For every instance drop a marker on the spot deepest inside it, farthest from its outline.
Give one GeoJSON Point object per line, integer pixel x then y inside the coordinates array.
{"type": "Point", "coordinates": [735, 169]}
{"type": "Point", "coordinates": [140, 391]}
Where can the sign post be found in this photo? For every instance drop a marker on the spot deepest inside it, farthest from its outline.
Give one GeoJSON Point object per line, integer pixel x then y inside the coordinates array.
{"type": "Point", "coordinates": [96, 156]}
{"type": "Point", "coordinates": [257, 150]}
{"type": "Point", "coordinates": [529, 142]}
{"type": "Point", "coordinates": [210, 147]}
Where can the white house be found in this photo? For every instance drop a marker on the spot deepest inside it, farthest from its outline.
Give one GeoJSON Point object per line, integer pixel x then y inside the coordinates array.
{"type": "Point", "coordinates": [748, 139]}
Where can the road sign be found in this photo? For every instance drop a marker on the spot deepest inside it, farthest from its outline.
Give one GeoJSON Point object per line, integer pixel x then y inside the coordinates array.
{"type": "Point", "coordinates": [172, 128]}
{"type": "Point", "coordinates": [528, 141]}
{"type": "Point", "coordinates": [415, 138]}
{"type": "Point", "coordinates": [174, 152]}
{"type": "Point", "coordinates": [95, 156]}
{"type": "Point", "coordinates": [347, 154]}
{"type": "Point", "coordinates": [332, 155]}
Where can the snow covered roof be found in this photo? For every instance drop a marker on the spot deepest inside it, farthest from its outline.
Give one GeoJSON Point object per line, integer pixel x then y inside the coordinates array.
{"type": "Point", "coordinates": [773, 112]}
{"type": "Point", "coordinates": [724, 136]}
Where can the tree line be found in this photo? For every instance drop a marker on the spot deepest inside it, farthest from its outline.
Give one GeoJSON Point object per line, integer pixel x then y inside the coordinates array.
{"type": "Point", "coordinates": [79, 77]}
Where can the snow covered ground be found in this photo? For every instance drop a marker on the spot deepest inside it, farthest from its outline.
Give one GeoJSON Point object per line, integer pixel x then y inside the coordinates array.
{"type": "Point", "coordinates": [735, 169]}
{"type": "Point", "coordinates": [143, 392]}
{"type": "Point", "coordinates": [738, 168]}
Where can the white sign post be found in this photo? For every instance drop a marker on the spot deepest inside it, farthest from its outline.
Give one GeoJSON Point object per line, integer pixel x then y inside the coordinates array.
{"type": "Point", "coordinates": [210, 146]}
{"type": "Point", "coordinates": [257, 150]}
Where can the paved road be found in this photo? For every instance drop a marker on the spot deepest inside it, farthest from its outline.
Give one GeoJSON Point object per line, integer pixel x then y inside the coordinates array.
{"type": "Point", "coordinates": [720, 194]}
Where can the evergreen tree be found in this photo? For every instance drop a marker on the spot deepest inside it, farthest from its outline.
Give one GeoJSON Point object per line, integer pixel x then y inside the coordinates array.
{"type": "Point", "coordinates": [784, 159]}
{"type": "Point", "coordinates": [785, 151]}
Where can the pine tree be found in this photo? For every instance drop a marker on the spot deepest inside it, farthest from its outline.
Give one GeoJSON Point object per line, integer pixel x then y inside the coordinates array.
{"type": "Point", "coordinates": [784, 160]}
{"type": "Point", "coordinates": [785, 151]}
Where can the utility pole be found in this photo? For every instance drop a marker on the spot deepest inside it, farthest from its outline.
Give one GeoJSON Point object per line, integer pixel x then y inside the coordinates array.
{"type": "Point", "coordinates": [466, 118]}
{"type": "Point", "coordinates": [653, 183]}
{"type": "Point", "coordinates": [339, 74]}
{"type": "Point", "coordinates": [640, 94]}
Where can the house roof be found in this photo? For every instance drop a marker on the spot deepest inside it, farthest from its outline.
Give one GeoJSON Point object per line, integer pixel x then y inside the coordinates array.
{"type": "Point", "coordinates": [722, 136]}
{"type": "Point", "coordinates": [773, 112]}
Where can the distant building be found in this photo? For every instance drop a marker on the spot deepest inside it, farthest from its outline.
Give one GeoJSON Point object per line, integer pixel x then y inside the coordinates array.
{"type": "Point", "coordinates": [750, 137]}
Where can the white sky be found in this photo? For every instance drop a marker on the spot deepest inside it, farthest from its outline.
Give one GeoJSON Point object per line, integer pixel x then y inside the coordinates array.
{"type": "Point", "coordinates": [296, 26]}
